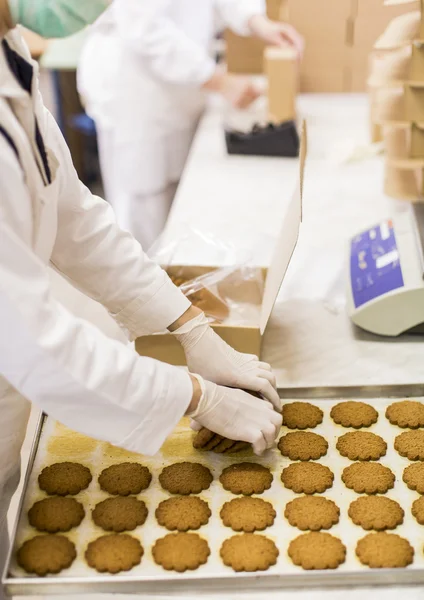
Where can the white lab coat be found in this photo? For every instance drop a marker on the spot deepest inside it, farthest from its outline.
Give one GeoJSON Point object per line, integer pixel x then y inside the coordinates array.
{"type": "Point", "coordinates": [63, 364]}
{"type": "Point", "coordinates": [140, 76]}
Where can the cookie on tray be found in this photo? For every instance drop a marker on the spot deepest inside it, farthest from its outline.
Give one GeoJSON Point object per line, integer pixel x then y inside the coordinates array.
{"type": "Point", "coordinates": [384, 551]}
{"type": "Point", "coordinates": [413, 476]}
{"type": "Point", "coordinates": [407, 413]}
{"type": "Point", "coordinates": [368, 478]}
{"type": "Point", "coordinates": [114, 553]}
{"type": "Point", "coordinates": [181, 552]}
{"type": "Point", "coordinates": [312, 513]}
{"type": "Point", "coordinates": [307, 478]}
{"type": "Point", "coordinates": [248, 514]}
{"type": "Point", "coordinates": [46, 554]}
{"type": "Point", "coordinates": [202, 438]}
{"type": "Point", "coordinates": [249, 552]}
{"type": "Point", "coordinates": [183, 513]}
{"type": "Point", "coordinates": [125, 479]}
{"type": "Point", "coordinates": [301, 415]}
{"type": "Point", "coordinates": [317, 550]}
{"type": "Point", "coordinates": [303, 445]}
{"type": "Point", "coordinates": [56, 514]}
{"type": "Point", "coordinates": [246, 478]}
{"type": "Point", "coordinates": [376, 512]}
{"type": "Point", "coordinates": [417, 510]}
{"type": "Point", "coordinates": [65, 478]}
{"type": "Point", "coordinates": [185, 478]}
{"type": "Point", "coordinates": [123, 513]}
{"type": "Point", "coordinates": [354, 414]}
{"type": "Point", "coordinates": [411, 444]}
{"type": "Point", "coordinates": [361, 445]}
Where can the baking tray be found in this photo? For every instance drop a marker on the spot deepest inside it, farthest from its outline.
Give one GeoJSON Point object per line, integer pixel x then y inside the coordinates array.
{"type": "Point", "coordinates": [151, 579]}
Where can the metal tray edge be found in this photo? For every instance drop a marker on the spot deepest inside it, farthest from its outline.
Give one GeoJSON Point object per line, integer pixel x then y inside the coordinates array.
{"type": "Point", "coordinates": [241, 584]}
{"type": "Point", "coordinates": [33, 452]}
{"type": "Point", "coordinates": [411, 390]}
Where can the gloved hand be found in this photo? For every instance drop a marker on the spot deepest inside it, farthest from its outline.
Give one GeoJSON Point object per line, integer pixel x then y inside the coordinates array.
{"type": "Point", "coordinates": [277, 33]}
{"type": "Point", "coordinates": [237, 415]}
{"type": "Point", "coordinates": [212, 358]}
{"type": "Point", "coordinates": [239, 90]}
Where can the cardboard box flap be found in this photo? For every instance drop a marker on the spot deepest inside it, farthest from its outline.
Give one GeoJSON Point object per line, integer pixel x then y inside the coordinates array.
{"type": "Point", "coordinates": [287, 239]}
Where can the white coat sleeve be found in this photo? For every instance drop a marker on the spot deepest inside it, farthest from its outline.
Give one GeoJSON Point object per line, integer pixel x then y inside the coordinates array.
{"type": "Point", "coordinates": [236, 14]}
{"type": "Point", "coordinates": [144, 26]}
{"type": "Point", "coordinates": [66, 366]}
{"type": "Point", "coordinates": [105, 262]}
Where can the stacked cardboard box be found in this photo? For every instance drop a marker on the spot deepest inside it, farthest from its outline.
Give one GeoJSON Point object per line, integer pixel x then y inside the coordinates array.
{"type": "Point", "coordinates": [397, 92]}
{"type": "Point", "coordinates": [339, 37]}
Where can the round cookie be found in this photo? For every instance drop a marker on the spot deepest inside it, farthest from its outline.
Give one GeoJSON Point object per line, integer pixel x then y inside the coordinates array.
{"type": "Point", "coordinates": [202, 437]}
{"type": "Point", "coordinates": [114, 553]}
{"type": "Point", "coordinates": [307, 478]}
{"type": "Point", "coordinates": [46, 554]}
{"type": "Point", "coordinates": [312, 512]}
{"type": "Point", "coordinates": [246, 478]}
{"type": "Point", "coordinates": [56, 514]}
{"type": "Point", "coordinates": [413, 476]}
{"type": "Point", "coordinates": [361, 445]}
{"type": "Point", "coordinates": [239, 447]}
{"type": "Point", "coordinates": [376, 512]}
{"type": "Point", "coordinates": [181, 552]}
{"type": "Point", "coordinates": [185, 478]}
{"type": "Point", "coordinates": [301, 415]}
{"type": "Point", "coordinates": [417, 510]}
{"type": "Point", "coordinates": [248, 514]}
{"type": "Point", "coordinates": [120, 514]}
{"type": "Point", "coordinates": [183, 513]}
{"type": "Point", "coordinates": [384, 551]}
{"type": "Point", "coordinates": [407, 413]}
{"type": "Point", "coordinates": [249, 552]}
{"type": "Point", "coordinates": [303, 445]}
{"type": "Point", "coordinates": [125, 479]}
{"type": "Point", "coordinates": [411, 444]}
{"type": "Point", "coordinates": [63, 479]}
{"type": "Point", "coordinates": [224, 445]}
{"type": "Point", "coordinates": [368, 478]}
{"type": "Point", "coordinates": [354, 414]}
{"type": "Point", "coordinates": [317, 550]}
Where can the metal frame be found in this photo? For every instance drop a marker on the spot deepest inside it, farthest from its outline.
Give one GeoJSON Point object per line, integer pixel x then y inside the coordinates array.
{"type": "Point", "coordinates": [174, 585]}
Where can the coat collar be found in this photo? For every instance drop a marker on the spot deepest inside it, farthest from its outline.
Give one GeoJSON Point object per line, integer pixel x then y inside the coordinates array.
{"type": "Point", "coordinates": [9, 87]}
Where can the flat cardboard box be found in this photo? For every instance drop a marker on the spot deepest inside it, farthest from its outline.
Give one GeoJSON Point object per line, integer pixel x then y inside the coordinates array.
{"type": "Point", "coordinates": [282, 71]}
{"type": "Point", "coordinates": [244, 337]}
{"type": "Point", "coordinates": [336, 81]}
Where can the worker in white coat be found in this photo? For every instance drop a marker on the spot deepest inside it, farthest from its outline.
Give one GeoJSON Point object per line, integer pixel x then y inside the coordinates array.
{"type": "Point", "coordinates": [143, 75]}
{"type": "Point", "coordinates": [65, 365]}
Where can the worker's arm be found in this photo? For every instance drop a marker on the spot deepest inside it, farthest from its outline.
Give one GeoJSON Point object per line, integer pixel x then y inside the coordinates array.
{"type": "Point", "coordinates": [66, 366]}
{"type": "Point", "coordinates": [237, 14]}
{"type": "Point", "coordinates": [145, 27]}
{"type": "Point", "coordinates": [105, 262]}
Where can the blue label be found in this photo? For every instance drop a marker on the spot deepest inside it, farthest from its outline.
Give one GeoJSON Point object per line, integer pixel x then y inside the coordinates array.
{"type": "Point", "coordinates": [374, 264]}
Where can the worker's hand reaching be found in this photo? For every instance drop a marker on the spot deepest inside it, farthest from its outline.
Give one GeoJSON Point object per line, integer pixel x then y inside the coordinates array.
{"type": "Point", "coordinates": [236, 415]}
{"type": "Point", "coordinates": [238, 90]}
{"type": "Point", "coordinates": [212, 358]}
{"type": "Point", "coordinates": [277, 34]}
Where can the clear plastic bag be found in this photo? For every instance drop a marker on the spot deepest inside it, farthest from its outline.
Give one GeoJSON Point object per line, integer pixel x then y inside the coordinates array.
{"type": "Point", "coordinates": [230, 294]}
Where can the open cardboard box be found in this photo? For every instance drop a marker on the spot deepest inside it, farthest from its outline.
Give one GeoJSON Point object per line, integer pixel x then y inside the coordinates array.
{"type": "Point", "coordinates": [243, 337]}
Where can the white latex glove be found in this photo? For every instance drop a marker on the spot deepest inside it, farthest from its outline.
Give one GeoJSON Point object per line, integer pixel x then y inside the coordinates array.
{"type": "Point", "coordinates": [239, 90]}
{"type": "Point", "coordinates": [277, 34]}
{"type": "Point", "coordinates": [237, 415]}
{"type": "Point", "coordinates": [212, 358]}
